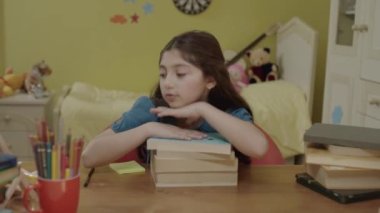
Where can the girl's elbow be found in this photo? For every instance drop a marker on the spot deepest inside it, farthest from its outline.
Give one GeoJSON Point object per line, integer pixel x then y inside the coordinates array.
{"type": "Point", "coordinates": [261, 149]}
{"type": "Point", "coordinates": [87, 161]}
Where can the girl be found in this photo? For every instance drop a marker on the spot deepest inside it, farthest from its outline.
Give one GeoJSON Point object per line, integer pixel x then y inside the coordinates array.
{"type": "Point", "coordinates": [194, 96]}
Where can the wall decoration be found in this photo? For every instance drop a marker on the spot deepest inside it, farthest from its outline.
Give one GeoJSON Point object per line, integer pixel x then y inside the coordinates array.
{"type": "Point", "coordinates": [135, 18]}
{"type": "Point", "coordinates": [118, 19]}
{"type": "Point", "coordinates": [337, 115]}
{"type": "Point", "coordinates": [134, 12]}
{"type": "Point", "coordinates": [192, 7]}
{"type": "Point", "coordinates": [148, 8]}
{"type": "Point", "coordinates": [129, 1]}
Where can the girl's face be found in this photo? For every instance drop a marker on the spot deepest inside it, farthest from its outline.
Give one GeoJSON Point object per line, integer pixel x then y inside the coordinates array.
{"type": "Point", "coordinates": [182, 83]}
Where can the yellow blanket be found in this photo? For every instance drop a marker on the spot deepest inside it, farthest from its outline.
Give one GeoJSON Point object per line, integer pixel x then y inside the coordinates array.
{"type": "Point", "coordinates": [280, 108]}
{"type": "Point", "coordinates": [87, 109]}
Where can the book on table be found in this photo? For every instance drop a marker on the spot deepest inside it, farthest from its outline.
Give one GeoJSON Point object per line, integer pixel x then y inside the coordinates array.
{"type": "Point", "coordinates": [7, 175]}
{"type": "Point", "coordinates": [322, 156]}
{"type": "Point", "coordinates": [343, 135]}
{"type": "Point", "coordinates": [8, 168]}
{"type": "Point", "coordinates": [7, 161]}
{"type": "Point", "coordinates": [213, 143]}
{"type": "Point", "coordinates": [340, 157]}
{"type": "Point", "coordinates": [188, 172]}
{"type": "Point", "coordinates": [344, 196]}
{"type": "Point", "coordinates": [188, 163]}
{"type": "Point", "coordinates": [193, 179]}
{"type": "Point", "coordinates": [165, 165]}
{"type": "Point", "coordinates": [337, 177]}
{"type": "Point", "coordinates": [340, 145]}
{"type": "Point", "coordinates": [352, 151]}
{"type": "Point", "coordinates": [194, 155]}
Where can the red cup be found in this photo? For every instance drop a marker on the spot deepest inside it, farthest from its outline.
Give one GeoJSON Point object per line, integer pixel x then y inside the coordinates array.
{"type": "Point", "coordinates": [55, 196]}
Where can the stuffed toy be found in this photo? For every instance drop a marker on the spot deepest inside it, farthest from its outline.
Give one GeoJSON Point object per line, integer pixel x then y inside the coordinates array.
{"type": "Point", "coordinates": [261, 69]}
{"type": "Point", "coordinates": [11, 82]}
{"type": "Point", "coordinates": [34, 79]}
{"type": "Point", "coordinates": [237, 71]}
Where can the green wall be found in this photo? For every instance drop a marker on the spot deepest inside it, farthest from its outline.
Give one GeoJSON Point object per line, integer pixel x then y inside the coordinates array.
{"type": "Point", "coordinates": [80, 42]}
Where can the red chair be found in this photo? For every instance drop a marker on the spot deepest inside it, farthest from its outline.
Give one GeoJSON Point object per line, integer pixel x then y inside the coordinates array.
{"type": "Point", "coordinates": [132, 155]}
{"type": "Point", "coordinates": [273, 155]}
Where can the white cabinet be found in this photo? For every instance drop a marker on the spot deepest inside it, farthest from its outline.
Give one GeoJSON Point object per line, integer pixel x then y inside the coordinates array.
{"type": "Point", "coordinates": [352, 84]}
{"type": "Point", "coordinates": [18, 116]}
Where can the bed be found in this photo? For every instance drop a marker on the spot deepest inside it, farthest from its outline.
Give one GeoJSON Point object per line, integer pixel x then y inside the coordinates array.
{"type": "Point", "coordinates": [282, 108]}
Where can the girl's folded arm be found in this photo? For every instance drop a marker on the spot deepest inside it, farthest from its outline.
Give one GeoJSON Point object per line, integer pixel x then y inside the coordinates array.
{"type": "Point", "coordinates": [110, 146]}
{"type": "Point", "coordinates": [244, 135]}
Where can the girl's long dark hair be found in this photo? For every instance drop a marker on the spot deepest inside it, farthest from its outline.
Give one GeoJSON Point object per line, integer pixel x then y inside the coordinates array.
{"type": "Point", "coordinates": [202, 50]}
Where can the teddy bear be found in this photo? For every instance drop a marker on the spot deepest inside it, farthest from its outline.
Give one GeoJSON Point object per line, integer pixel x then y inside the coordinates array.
{"type": "Point", "coordinates": [261, 69]}
{"type": "Point", "coordinates": [236, 71]}
{"type": "Point", "coordinates": [11, 82]}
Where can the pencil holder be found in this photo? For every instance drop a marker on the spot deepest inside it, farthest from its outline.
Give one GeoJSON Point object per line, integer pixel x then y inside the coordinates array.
{"type": "Point", "coordinates": [55, 196]}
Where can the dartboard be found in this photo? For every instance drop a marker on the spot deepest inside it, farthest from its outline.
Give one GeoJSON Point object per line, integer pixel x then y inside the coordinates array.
{"type": "Point", "coordinates": [192, 7]}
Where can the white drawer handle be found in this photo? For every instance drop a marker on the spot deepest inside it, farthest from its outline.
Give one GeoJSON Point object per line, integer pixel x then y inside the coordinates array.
{"type": "Point", "coordinates": [360, 27]}
{"type": "Point", "coordinates": [375, 102]}
{"type": "Point", "coordinates": [7, 118]}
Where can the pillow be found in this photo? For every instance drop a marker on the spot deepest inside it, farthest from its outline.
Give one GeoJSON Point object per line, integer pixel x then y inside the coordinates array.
{"type": "Point", "coordinates": [87, 109]}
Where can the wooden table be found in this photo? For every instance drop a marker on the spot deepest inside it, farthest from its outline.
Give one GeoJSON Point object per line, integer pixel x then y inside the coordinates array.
{"type": "Point", "coordinates": [260, 189]}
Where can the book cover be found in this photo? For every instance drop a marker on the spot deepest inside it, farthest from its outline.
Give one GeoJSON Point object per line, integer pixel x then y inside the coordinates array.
{"type": "Point", "coordinates": [214, 143]}
{"type": "Point", "coordinates": [7, 161]}
{"type": "Point", "coordinates": [343, 135]}
{"type": "Point", "coordinates": [324, 157]}
{"type": "Point", "coordinates": [351, 151]}
{"type": "Point", "coordinates": [194, 155]}
{"type": "Point", "coordinates": [336, 177]}
{"type": "Point", "coordinates": [195, 179]}
{"type": "Point", "coordinates": [167, 165]}
{"type": "Point", "coordinates": [339, 195]}
{"type": "Point", "coordinates": [8, 175]}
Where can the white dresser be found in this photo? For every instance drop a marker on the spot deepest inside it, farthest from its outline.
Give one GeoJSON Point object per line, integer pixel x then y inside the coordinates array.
{"type": "Point", "coordinates": [352, 84]}
{"type": "Point", "coordinates": [18, 116]}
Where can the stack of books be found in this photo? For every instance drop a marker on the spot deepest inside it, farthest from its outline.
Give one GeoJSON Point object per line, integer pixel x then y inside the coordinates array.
{"type": "Point", "coordinates": [8, 168]}
{"type": "Point", "coordinates": [186, 163]}
{"type": "Point", "coordinates": [343, 157]}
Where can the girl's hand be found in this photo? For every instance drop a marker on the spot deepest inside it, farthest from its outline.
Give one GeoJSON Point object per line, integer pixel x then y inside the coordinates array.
{"type": "Point", "coordinates": [189, 113]}
{"type": "Point", "coordinates": [170, 131]}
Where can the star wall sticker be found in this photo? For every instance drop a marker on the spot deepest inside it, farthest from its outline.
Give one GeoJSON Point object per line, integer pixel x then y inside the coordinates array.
{"type": "Point", "coordinates": [144, 7]}
{"type": "Point", "coordinates": [135, 18]}
{"type": "Point", "coordinates": [148, 8]}
{"type": "Point", "coordinates": [130, 1]}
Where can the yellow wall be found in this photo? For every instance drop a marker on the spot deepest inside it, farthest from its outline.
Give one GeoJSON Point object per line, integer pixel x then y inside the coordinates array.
{"type": "Point", "coordinates": [79, 42]}
{"type": "Point", "coordinates": [1, 38]}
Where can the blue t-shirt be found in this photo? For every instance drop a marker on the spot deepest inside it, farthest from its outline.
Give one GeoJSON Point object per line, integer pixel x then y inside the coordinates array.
{"type": "Point", "coordinates": [140, 114]}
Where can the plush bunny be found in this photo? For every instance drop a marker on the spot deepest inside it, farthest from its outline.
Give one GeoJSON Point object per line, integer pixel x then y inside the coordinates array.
{"type": "Point", "coordinates": [237, 71]}
{"type": "Point", "coordinates": [34, 79]}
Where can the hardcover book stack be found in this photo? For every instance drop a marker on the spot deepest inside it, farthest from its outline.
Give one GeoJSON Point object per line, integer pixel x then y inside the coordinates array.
{"type": "Point", "coordinates": [343, 157]}
{"type": "Point", "coordinates": [8, 168]}
{"type": "Point", "coordinates": [186, 163]}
